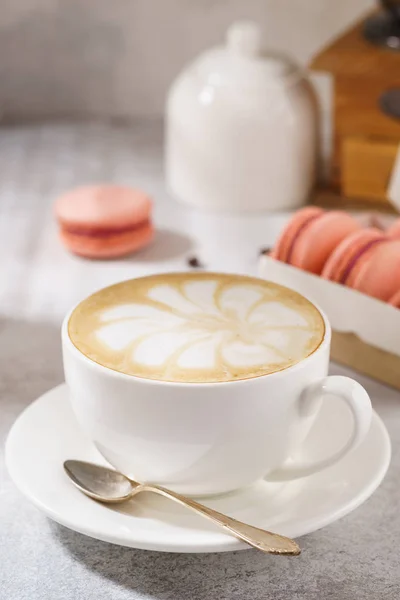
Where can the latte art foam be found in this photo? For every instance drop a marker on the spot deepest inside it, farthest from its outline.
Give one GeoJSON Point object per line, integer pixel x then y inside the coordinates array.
{"type": "Point", "coordinates": [196, 327]}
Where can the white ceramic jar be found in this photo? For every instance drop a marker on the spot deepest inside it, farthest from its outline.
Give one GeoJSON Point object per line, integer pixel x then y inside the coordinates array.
{"type": "Point", "coordinates": [241, 129]}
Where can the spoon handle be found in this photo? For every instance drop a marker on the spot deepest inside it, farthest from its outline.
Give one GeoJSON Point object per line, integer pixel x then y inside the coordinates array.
{"type": "Point", "coordinates": [271, 543]}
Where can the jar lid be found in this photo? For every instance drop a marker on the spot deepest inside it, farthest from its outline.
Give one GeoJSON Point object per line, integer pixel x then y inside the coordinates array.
{"type": "Point", "coordinates": [243, 60]}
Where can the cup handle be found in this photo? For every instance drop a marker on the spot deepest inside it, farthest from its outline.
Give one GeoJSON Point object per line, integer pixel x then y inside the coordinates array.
{"type": "Point", "coordinates": [356, 398]}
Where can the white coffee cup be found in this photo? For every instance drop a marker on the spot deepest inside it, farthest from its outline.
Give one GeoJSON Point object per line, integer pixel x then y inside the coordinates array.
{"type": "Point", "coordinates": [209, 438]}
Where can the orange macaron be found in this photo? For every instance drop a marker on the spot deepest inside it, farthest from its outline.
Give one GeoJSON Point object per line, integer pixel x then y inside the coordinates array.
{"type": "Point", "coordinates": [367, 261]}
{"type": "Point", "coordinates": [104, 221]}
{"type": "Point", "coordinates": [346, 261]}
{"type": "Point", "coordinates": [394, 230]}
{"type": "Point", "coordinates": [311, 236]}
{"type": "Point", "coordinates": [380, 275]}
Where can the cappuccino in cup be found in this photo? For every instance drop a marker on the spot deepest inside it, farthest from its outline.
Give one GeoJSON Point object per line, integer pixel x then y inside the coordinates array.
{"type": "Point", "coordinates": [204, 382]}
{"type": "Point", "coordinates": [196, 327]}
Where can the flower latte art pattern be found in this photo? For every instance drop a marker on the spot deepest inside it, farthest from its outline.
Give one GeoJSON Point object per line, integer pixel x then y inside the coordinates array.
{"type": "Point", "coordinates": [196, 327]}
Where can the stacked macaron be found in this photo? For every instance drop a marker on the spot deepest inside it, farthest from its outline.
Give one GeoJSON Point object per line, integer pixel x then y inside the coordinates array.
{"type": "Point", "coordinates": [336, 247]}
{"type": "Point", "coordinates": [104, 221]}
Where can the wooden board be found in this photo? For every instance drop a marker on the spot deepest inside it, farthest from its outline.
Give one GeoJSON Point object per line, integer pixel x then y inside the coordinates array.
{"type": "Point", "coordinates": [358, 110]}
{"type": "Point", "coordinates": [357, 113]}
{"type": "Point", "coordinates": [367, 167]}
{"type": "Point", "coordinates": [347, 349]}
{"type": "Point", "coordinates": [362, 73]}
{"type": "Point", "coordinates": [326, 198]}
{"type": "Point", "coordinates": [352, 55]}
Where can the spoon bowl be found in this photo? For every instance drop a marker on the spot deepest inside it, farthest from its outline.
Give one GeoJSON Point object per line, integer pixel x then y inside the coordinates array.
{"type": "Point", "coordinates": [100, 483]}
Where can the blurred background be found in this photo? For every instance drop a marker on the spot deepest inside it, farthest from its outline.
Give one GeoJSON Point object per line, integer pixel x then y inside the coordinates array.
{"type": "Point", "coordinates": [95, 58]}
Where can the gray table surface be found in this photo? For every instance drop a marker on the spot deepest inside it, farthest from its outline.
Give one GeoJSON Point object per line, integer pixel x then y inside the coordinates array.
{"type": "Point", "coordinates": [355, 558]}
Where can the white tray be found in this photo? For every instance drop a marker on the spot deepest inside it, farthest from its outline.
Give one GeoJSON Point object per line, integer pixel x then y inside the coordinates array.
{"type": "Point", "coordinates": [374, 322]}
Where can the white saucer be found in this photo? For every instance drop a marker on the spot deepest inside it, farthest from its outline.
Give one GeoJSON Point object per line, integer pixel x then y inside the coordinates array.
{"type": "Point", "coordinates": [46, 434]}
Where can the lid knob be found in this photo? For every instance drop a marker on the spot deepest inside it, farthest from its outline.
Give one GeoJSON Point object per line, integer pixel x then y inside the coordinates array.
{"type": "Point", "coordinates": [244, 37]}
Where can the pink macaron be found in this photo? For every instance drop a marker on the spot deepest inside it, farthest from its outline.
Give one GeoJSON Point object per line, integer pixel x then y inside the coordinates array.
{"type": "Point", "coordinates": [380, 275]}
{"type": "Point", "coordinates": [347, 260]}
{"type": "Point", "coordinates": [104, 221]}
{"type": "Point", "coordinates": [367, 261]}
{"type": "Point", "coordinates": [394, 230]}
{"type": "Point", "coordinates": [311, 236]}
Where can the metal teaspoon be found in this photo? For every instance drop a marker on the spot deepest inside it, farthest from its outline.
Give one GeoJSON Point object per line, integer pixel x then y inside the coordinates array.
{"type": "Point", "coordinates": [109, 486]}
